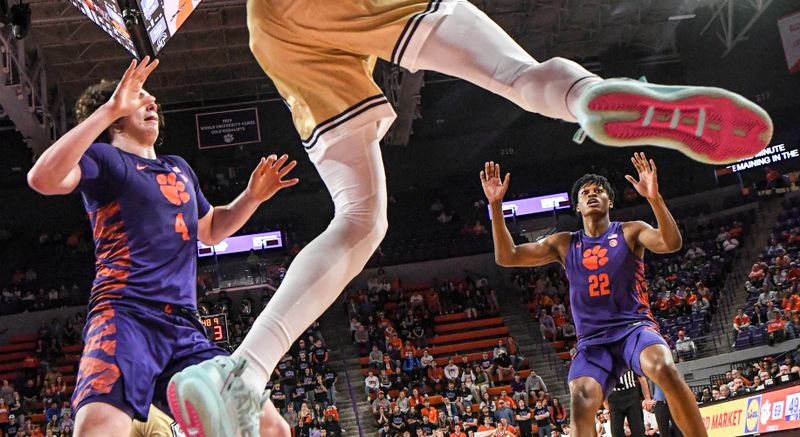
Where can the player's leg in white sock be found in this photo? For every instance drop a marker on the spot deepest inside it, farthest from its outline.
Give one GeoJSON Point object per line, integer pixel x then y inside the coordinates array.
{"type": "Point", "coordinates": [352, 170]}
{"type": "Point", "coordinates": [469, 45]}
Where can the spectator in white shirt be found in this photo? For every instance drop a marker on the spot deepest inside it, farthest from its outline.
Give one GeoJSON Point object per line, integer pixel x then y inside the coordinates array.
{"type": "Point", "coordinates": [416, 300]}
{"type": "Point", "coordinates": [729, 244]}
{"type": "Point", "coordinates": [547, 326]}
{"type": "Point", "coordinates": [694, 252]}
{"type": "Point", "coordinates": [426, 359]}
{"type": "Point", "coordinates": [372, 383]}
{"type": "Point", "coordinates": [766, 295]}
{"type": "Point", "coordinates": [451, 371]}
{"type": "Point", "coordinates": [684, 346]}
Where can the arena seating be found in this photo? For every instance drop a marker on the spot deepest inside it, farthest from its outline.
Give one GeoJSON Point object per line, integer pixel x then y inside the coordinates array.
{"type": "Point", "coordinates": [785, 242]}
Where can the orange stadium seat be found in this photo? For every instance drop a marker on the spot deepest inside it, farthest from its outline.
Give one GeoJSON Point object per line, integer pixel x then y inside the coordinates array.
{"type": "Point", "coordinates": [30, 338]}
{"type": "Point", "coordinates": [468, 335]}
{"type": "Point", "coordinates": [463, 326]}
{"type": "Point", "coordinates": [16, 347]}
{"type": "Point", "coordinates": [16, 356]}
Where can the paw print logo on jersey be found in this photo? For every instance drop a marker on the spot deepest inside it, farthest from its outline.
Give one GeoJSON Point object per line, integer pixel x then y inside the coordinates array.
{"type": "Point", "coordinates": [595, 257]}
{"type": "Point", "coordinates": [173, 189]}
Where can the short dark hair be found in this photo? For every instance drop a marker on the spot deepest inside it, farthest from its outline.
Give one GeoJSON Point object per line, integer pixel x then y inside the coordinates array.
{"type": "Point", "coordinates": [95, 96]}
{"type": "Point", "coordinates": [593, 179]}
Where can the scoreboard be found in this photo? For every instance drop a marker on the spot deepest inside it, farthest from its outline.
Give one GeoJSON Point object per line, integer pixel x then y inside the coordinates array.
{"type": "Point", "coordinates": [142, 27]}
{"type": "Point", "coordinates": [216, 327]}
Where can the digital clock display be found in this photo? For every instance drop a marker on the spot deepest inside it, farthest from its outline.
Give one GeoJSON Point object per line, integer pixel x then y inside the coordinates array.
{"type": "Point", "coordinates": [216, 327]}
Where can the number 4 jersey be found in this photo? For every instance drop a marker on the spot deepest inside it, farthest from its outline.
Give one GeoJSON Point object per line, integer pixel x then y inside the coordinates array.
{"type": "Point", "coordinates": [144, 215]}
{"type": "Point", "coordinates": [607, 290]}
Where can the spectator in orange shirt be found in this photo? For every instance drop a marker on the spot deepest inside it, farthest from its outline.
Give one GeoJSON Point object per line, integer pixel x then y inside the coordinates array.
{"type": "Point", "coordinates": [505, 430]}
{"type": "Point", "coordinates": [435, 376]}
{"type": "Point", "coordinates": [457, 432]}
{"type": "Point", "coordinates": [775, 329]}
{"type": "Point", "coordinates": [791, 303]}
{"type": "Point", "coordinates": [487, 425]}
{"type": "Point", "coordinates": [408, 347]}
{"type": "Point", "coordinates": [691, 298]}
{"type": "Point", "coordinates": [415, 398]}
{"type": "Point", "coordinates": [430, 412]}
{"type": "Point", "coordinates": [757, 272]}
{"type": "Point", "coordinates": [559, 318]}
{"type": "Point", "coordinates": [736, 230]}
{"type": "Point", "coordinates": [395, 341]}
{"type": "Point", "coordinates": [741, 321]}
{"type": "Point", "coordinates": [793, 275]}
{"type": "Point", "coordinates": [331, 411]}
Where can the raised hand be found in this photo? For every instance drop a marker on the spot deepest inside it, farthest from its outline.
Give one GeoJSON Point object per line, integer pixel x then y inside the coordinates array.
{"type": "Point", "coordinates": [267, 178]}
{"type": "Point", "coordinates": [128, 97]}
{"type": "Point", "coordinates": [647, 185]}
{"type": "Point", "coordinates": [493, 187]}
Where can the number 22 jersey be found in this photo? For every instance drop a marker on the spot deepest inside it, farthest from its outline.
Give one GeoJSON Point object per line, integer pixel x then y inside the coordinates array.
{"type": "Point", "coordinates": [607, 289]}
{"type": "Point", "coordinates": [144, 215]}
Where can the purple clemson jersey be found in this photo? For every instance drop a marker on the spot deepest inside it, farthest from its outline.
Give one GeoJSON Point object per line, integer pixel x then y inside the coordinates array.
{"type": "Point", "coordinates": [144, 215]}
{"type": "Point", "coordinates": [607, 289]}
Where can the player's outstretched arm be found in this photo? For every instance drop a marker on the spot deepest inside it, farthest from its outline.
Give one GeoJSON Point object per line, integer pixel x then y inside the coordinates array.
{"type": "Point", "coordinates": [57, 170]}
{"type": "Point", "coordinates": [506, 253]}
{"type": "Point", "coordinates": [667, 238]}
{"type": "Point", "coordinates": [266, 180]}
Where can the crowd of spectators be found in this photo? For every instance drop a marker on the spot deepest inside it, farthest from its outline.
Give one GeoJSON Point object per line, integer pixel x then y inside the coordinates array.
{"type": "Point", "coordinates": [410, 393]}
{"type": "Point", "coordinates": [36, 403]}
{"type": "Point", "coordinates": [772, 311]}
{"type": "Point", "coordinates": [751, 377]}
{"type": "Point", "coordinates": [44, 271]}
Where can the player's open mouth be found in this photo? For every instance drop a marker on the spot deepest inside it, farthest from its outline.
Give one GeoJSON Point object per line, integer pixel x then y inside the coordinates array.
{"type": "Point", "coordinates": [593, 202]}
{"type": "Point", "coordinates": [151, 118]}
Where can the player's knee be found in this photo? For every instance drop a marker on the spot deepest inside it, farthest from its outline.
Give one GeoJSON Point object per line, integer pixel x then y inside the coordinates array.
{"type": "Point", "coordinates": [663, 372]}
{"type": "Point", "coordinates": [583, 399]}
{"type": "Point", "coordinates": [367, 218]}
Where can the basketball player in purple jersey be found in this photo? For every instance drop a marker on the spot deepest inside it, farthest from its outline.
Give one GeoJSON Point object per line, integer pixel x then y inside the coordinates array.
{"type": "Point", "coordinates": [147, 212]}
{"type": "Point", "coordinates": [605, 268]}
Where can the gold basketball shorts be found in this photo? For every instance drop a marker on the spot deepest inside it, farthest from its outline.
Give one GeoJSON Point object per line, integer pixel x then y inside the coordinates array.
{"type": "Point", "coordinates": [159, 424]}
{"type": "Point", "coordinates": [320, 54]}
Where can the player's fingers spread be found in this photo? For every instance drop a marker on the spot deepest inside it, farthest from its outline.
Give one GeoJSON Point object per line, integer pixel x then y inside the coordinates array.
{"type": "Point", "coordinates": [143, 64]}
{"type": "Point", "coordinates": [290, 182]}
{"type": "Point", "coordinates": [507, 179]}
{"type": "Point", "coordinates": [483, 176]}
{"type": "Point", "coordinates": [150, 68]}
{"type": "Point", "coordinates": [281, 160]}
{"type": "Point", "coordinates": [653, 165]}
{"type": "Point", "coordinates": [285, 170]}
{"type": "Point", "coordinates": [487, 171]}
{"type": "Point", "coordinates": [630, 179]}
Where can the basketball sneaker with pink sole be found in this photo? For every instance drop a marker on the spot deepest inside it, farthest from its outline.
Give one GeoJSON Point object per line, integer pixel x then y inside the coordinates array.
{"type": "Point", "coordinates": [211, 400]}
{"type": "Point", "coordinates": [710, 125]}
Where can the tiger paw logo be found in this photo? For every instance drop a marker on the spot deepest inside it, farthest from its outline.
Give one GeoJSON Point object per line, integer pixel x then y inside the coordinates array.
{"type": "Point", "coordinates": [173, 189]}
{"type": "Point", "coordinates": [595, 257]}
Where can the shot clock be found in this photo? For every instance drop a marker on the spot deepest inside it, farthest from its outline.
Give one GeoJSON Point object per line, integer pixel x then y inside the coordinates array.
{"type": "Point", "coordinates": [216, 327]}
